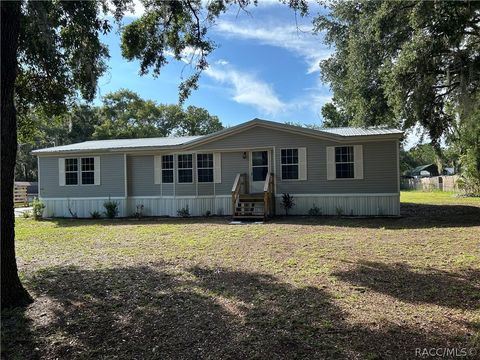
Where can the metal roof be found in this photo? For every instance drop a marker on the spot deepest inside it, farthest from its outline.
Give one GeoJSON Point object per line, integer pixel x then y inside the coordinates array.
{"type": "Point", "coordinates": [337, 134]}
{"type": "Point", "coordinates": [120, 144]}
{"type": "Point", "coordinates": [355, 131]}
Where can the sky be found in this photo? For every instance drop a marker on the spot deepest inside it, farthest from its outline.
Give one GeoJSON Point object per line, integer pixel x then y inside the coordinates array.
{"type": "Point", "coordinates": [265, 66]}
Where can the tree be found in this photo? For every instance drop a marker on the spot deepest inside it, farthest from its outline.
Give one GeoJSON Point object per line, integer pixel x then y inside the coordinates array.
{"type": "Point", "coordinates": [197, 121]}
{"type": "Point", "coordinates": [61, 57]}
{"type": "Point", "coordinates": [466, 140]}
{"type": "Point", "coordinates": [36, 129]}
{"type": "Point", "coordinates": [333, 117]}
{"type": "Point", "coordinates": [125, 115]}
{"type": "Point", "coordinates": [412, 61]}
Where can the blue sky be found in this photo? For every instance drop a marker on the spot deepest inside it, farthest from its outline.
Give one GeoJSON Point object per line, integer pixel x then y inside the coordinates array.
{"type": "Point", "coordinates": [264, 67]}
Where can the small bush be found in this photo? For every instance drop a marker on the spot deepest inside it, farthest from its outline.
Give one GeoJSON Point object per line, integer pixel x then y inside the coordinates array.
{"type": "Point", "coordinates": [139, 213]}
{"type": "Point", "coordinates": [26, 214]}
{"type": "Point", "coordinates": [111, 209]}
{"type": "Point", "coordinates": [95, 214]}
{"type": "Point", "coordinates": [208, 213]}
{"type": "Point", "coordinates": [183, 212]}
{"type": "Point", "coordinates": [287, 202]}
{"type": "Point", "coordinates": [339, 211]}
{"type": "Point", "coordinates": [37, 208]}
{"type": "Point", "coordinates": [314, 211]}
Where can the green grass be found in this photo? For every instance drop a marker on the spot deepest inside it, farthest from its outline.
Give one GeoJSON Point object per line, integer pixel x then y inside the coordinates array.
{"type": "Point", "coordinates": [438, 198]}
{"type": "Point", "coordinates": [320, 287]}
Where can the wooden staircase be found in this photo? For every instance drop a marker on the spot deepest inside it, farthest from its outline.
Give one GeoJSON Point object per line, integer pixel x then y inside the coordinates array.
{"type": "Point", "coordinates": [252, 206]}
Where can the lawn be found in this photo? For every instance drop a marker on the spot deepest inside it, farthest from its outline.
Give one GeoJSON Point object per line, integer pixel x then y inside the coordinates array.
{"type": "Point", "coordinates": [294, 287]}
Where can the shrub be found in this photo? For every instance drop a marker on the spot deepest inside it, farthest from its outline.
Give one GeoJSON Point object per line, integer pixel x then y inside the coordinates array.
{"type": "Point", "coordinates": [339, 211]}
{"type": "Point", "coordinates": [111, 209]}
{"type": "Point", "coordinates": [314, 211]}
{"type": "Point", "coordinates": [183, 212]}
{"type": "Point", "coordinates": [95, 214]}
{"type": "Point", "coordinates": [37, 208]}
{"type": "Point", "coordinates": [287, 202]}
{"type": "Point", "coordinates": [26, 214]}
{"type": "Point", "coordinates": [208, 213]}
{"type": "Point", "coordinates": [139, 212]}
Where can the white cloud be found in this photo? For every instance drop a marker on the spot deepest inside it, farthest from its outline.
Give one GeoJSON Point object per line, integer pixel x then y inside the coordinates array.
{"type": "Point", "coordinates": [300, 41]}
{"type": "Point", "coordinates": [221, 62]}
{"type": "Point", "coordinates": [247, 89]}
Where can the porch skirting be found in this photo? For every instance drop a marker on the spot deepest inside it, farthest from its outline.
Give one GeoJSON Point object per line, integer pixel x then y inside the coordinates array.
{"type": "Point", "coordinates": [345, 204]}
{"type": "Point", "coordinates": [152, 205]}
{"type": "Point", "coordinates": [332, 204]}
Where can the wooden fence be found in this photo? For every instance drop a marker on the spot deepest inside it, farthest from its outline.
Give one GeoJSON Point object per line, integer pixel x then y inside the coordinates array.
{"type": "Point", "coordinates": [442, 183]}
{"type": "Point", "coordinates": [20, 194]}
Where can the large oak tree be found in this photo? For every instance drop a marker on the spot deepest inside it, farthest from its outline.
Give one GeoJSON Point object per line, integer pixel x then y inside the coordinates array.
{"type": "Point", "coordinates": [402, 63]}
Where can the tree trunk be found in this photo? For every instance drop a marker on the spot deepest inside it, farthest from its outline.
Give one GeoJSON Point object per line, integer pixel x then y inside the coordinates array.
{"type": "Point", "coordinates": [13, 294]}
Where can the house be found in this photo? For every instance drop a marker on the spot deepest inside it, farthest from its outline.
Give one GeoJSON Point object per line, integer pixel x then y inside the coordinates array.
{"type": "Point", "coordinates": [242, 170]}
{"type": "Point", "coordinates": [425, 171]}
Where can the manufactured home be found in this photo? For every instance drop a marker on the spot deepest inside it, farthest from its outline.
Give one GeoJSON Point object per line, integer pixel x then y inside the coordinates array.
{"type": "Point", "coordinates": [241, 171]}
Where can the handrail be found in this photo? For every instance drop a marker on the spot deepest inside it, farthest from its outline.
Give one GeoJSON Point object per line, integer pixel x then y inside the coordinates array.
{"type": "Point", "coordinates": [266, 185]}
{"type": "Point", "coordinates": [268, 197]}
{"type": "Point", "coordinates": [237, 185]}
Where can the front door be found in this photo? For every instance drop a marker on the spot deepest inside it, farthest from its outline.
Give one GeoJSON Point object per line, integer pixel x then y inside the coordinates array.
{"type": "Point", "coordinates": [259, 167]}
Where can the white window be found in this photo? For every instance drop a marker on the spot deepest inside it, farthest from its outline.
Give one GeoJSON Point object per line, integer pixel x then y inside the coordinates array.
{"type": "Point", "coordinates": [289, 159]}
{"type": "Point", "coordinates": [344, 162]}
{"type": "Point", "coordinates": [167, 168]}
{"type": "Point", "coordinates": [205, 168]}
{"type": "Point", "coordinates": [185, 168]}
{"type": "Point", "coordinates": [88, 171]}
{"type": "Point", "coordinates": [75, 171]}
{"type": "Point", "coordinates": [71, 171]}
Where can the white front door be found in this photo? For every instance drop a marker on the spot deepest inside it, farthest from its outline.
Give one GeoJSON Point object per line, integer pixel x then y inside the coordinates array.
{"type": "Point", "coordinates": [259, 168]}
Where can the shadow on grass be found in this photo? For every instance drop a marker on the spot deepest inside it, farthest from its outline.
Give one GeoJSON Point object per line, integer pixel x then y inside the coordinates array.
{"type": "Point", "coordinates": [460, 291]}
{"type": "Point", "coordinates": [414, 216]}
{"type": "Point", "coordinates": [160, 311]}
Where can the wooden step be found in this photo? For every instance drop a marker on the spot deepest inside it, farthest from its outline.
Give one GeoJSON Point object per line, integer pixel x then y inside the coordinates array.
{"type": "Point", "coordinates": [251, 197]}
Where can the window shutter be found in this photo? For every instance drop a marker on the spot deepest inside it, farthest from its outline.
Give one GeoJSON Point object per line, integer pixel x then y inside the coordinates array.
{"type": "Point", "coordinates": [157, 169]}
{"type": "Point", "coordinates": [61, 171]}
{"type": "Point", "coordinates": [302, 163]}
{"type": "Point", "coordinates": [358, 158]}
{"type": "Point", "coordinates": [217, 168]}
{"type": "Point", "coordinates": [96, 168]}
{"type": "Point", "coordinates": [331, 163]}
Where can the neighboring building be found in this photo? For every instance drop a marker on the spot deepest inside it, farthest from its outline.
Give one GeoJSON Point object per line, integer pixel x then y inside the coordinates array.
{"type": "Point", "coordinates": [428, 170]}
{"type": "Point", "coordinates": [449, 171]}
{"type": "Point", "coordinates": [242, 169]}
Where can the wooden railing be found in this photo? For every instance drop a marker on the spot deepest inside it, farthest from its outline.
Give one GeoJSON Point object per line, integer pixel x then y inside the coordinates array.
{"type": "Point", "coordinates": [268, 196]}
{"type": "Point", "coordinates": [240, 180]}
